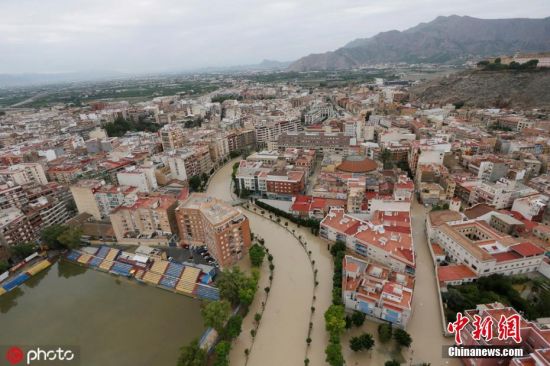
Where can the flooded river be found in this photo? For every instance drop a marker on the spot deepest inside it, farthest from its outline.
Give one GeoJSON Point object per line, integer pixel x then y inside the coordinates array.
{"type": "Point", "coordinates": [114, 321]}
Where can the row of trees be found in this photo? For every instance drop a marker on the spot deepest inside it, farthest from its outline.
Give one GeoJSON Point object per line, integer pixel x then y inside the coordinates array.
{"type": "Point", "coordinates": [498, 65]}
{"type": "Point", "coordinates": [335, 324]}
{"type": "Point", "coordinates": [311, 223]}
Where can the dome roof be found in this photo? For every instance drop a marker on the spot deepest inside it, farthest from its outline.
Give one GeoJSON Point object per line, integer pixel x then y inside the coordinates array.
{"type": "Point", "coordinates": [357, 164]}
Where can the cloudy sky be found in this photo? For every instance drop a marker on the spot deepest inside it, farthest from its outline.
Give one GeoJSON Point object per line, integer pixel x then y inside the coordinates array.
{"type": "Point", "coordinates": [170, 35]}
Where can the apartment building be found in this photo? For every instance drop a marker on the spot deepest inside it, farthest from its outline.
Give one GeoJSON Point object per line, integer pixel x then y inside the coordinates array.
{"type": "Point", "coordinates": [172, 137]}
{"type": "Point", "coordinates": [377, 291]}
{"type": "Point", "coordinates": [207, 221]}
{"type": "Point", "coordinates": [187, 162]}
{"type": "Point", "coordinates": [147, 220]}
{"type": "Point", "coordinates": [427, 151]}
{"type": "Point", "coordinates": [142, 177]}
{"type": "Point", "coordinates": [15, 227]}
{"type": "Point", "coordinates": [332, 143]}
{"type": "Point", "coordinates": [531, 207]}
{"type": "Point", "coordinates": [24, 173]}
{"type": "Point", "coordinates": [271, 130]}
{"type": "Point", "coordinates": [84, 196]}
{"type": "Point", "coordinates": [385, 239]}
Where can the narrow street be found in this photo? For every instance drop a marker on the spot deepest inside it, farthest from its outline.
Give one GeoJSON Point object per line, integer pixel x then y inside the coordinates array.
{"type": "Point", "coordinates": [425, 325]}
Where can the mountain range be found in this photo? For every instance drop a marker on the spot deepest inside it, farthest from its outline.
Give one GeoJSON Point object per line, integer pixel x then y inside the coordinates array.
{"type": "Point", "coordinates": [451, 39]}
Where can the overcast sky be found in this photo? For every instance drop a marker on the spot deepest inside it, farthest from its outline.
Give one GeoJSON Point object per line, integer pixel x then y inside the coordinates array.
{"type": "Point", "coordinates": [172, 35]}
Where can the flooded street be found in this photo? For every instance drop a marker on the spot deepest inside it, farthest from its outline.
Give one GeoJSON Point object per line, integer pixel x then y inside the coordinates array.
{"type": "Point", "coordinates": [425, 325]}
{"type": "Point", "coordinates": [113, 321]}
{"type": "Point", "coordinates": [281, 337]}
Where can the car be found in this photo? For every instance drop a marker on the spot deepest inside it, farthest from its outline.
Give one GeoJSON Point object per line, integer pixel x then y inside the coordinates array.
{"type": "Point", "coordinates": [204, 254]}
{"type": "Point", "coordinates": [208, 258]}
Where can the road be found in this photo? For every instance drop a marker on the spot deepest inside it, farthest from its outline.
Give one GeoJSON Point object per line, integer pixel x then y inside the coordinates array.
{"type": "Point", "coordinates": [281, 338]}
{"type": "Point", "coordinates": [425, 325]}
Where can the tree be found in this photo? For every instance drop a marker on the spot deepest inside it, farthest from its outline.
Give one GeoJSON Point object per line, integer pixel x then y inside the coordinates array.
{"type": "Point", "coordinates": [385, 157]}
{"type": "Point", "coordinates": [392, 363]}
{"type": "Point", "coordinates": [195, 183]}
{"type": "Point", "coordinates": [355, 344]}
{"type": "Point", "coordinates": [384, 332]}
{"type": "Point", "coordinates": [70, 237]}
{"type": "Point", "coordinates": [257, 254]}
{"type": "Point", "coordinates": [236, 287]}
{"type": "Point", "coordinates": [362, 342]}
{"type": "Point", "coordinates": [333, 354]}
{"type": "Point", "coordinates": [402, 337]}
{"type": "Point", "coordinates": [358, 318]}
{"type": "Point", "coordinates": [22, 250]}
{"type": "Point", "coordinates": [222, 353]}
{"type": "Point", "coordinates": [337, 247]}
{"type": "Point", "coordinates": [233, 327]}
{"type": "Point", "coordinates": [4, 266]}
{"type": "Point", "coordinates": [216, 313]}
{"type": "Point", "coordinates": [50, 234]}
{"type": "Point", "coordinates": [335, 320]}
{"type": "Point", "coordinates": [192, 355]}
{"type": "Point", "coordinates": [367, 342]}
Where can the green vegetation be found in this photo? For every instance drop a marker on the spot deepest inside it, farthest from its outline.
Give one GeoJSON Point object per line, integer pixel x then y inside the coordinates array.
{"type": "Point", "coordinates": [498, 127]}
{"type": "Point", "coordinates": [192, 355]}
{"type": "Point", "coordinates": [120, 126]}
{"type": "Point", "coordinates": [358, 318]}
{"type": "Point", "coordinates": [220, 98]}
{"type": "Point", "coordinates": [392, 363]}
{"type": "Point", "coordinates": [4, 266]}
{"type": "Point", "coordinates": [335, 324]}
{"type": "Point", "coordinates": [23, 250]}
{"type": "Point", "coordinates": [222, 353]}
{"type": "Point", "coordinates": [363, 342]}
{"type": "Point", "coordinates": [311, 223]}
{"type": "Point", "coordinates": [402, 338]}
{"type": "Point", "coordinates": [499, 288]}
{"type": "Point", "coordinates": [334, 355]}
{"type": "Point", "coordinates": [385, 332]}
{"type": "Point", "coordinates": [216, 313]}
{"type": "Point", "coordinates": [195, 183]}
{"type": "Point", "coordinates": [257, 254]}
{"type": "Point", "coordinates": [61, 237]}
{"type": "Point", "coordinates": [440, 207]}
{"type": "Point", "coordinates": [338, 251]}
{"type": "Point", "coordinates": [236, 287]}
{"type": "Point", "coordinates": [498, 65]}
{"type": "Point", "coordinates": [233, 327]}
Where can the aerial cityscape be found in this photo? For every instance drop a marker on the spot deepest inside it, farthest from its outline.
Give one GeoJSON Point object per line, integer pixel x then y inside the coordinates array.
{"type": "Point", "coordinates": [218, 188]}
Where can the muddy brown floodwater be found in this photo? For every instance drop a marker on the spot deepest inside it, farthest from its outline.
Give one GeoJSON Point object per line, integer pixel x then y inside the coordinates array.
{"type": "Point", "coordinates": [281, 338]}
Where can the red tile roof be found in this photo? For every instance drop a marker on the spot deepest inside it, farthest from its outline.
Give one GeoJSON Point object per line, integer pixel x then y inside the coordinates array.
{"type": "Point", "coordinates": [527, 249]}
{"type": "Point", "coordinates": [454, 273]}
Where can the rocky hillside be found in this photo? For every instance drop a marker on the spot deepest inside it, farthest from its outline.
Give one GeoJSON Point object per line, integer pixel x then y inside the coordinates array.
{"type": "Point", "coordinates": [485, 89]}
{"type": "Point", "coordinates": [444, 40]}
